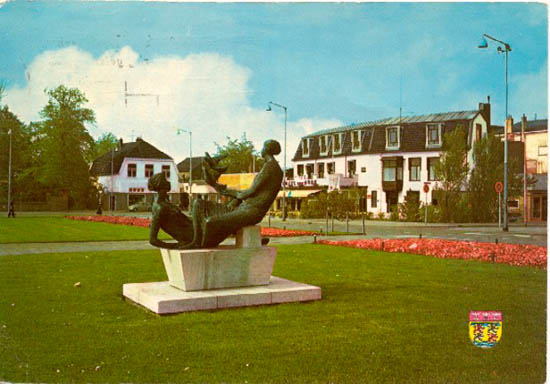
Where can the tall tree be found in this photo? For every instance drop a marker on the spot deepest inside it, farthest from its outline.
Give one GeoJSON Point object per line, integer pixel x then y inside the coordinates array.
{"type": "Point", "coordinates": [488, 169]}
{"type": "Point", "coordinates": [452, 171]}
{"type": "Point", "coordinates": [12, 128]}
{"type": "Point", "coordinates": [65, 143]}
{"type": "Point", "coordinates": [240, 156]}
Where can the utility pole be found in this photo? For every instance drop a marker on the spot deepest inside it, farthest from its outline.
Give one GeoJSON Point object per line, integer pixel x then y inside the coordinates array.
{"type": "Point", "coordinates": [10, 133]}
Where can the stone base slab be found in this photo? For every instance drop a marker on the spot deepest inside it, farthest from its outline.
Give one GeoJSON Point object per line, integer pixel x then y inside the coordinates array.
{"type": "Point", "coordinates": [162, 298]}
{"type": "Point", "coordinates": [220, 267]}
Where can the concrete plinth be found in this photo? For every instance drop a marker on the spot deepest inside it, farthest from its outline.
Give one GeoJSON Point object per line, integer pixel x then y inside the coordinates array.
{"type": "Point", "coordinates": [221, 267]}
{"type": "Point", "coordinates": [162, 298]}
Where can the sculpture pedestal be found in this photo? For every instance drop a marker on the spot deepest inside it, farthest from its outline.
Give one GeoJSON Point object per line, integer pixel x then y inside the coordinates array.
{"type": "Point", "coordinates": [222, 277]}
{"type": "Point", "coordinates": [163, 299]}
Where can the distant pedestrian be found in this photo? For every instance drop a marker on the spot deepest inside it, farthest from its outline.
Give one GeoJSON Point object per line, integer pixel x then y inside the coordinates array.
{"type": "Point", "coordinates": [11, 211]}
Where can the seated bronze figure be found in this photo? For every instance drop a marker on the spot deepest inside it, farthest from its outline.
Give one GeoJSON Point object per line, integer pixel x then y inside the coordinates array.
{"type": "Point", "coordinates": [212, 223]}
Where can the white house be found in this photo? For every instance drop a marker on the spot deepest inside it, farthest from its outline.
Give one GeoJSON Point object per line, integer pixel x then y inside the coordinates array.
{"type": "Point", "coordinates": [389, 159]}
{"type": "Point", "coordinates": [125, 172]}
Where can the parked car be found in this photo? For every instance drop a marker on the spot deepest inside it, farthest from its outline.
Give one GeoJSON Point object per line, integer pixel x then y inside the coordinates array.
{"type": "Point", "coordinates": [141, 206]}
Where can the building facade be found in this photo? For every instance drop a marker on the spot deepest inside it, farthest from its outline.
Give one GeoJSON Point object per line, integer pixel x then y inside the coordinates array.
{"type": "Point", "coordinates": [389, 159]}
{"type": "Point", "coordinates": [123, 174]}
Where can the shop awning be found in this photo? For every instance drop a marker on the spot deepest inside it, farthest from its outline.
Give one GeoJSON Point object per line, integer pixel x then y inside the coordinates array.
{"type": "Point", "coordinates": [298, 193]}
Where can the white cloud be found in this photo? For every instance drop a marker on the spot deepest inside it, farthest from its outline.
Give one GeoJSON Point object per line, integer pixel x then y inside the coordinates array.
{"type": "Point", "coordinates": [206, 93]}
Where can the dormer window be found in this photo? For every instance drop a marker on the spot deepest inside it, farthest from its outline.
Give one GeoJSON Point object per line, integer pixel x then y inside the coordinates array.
{"type": "Point", "coordinates": [356, 141]}
{"type": "Point", "coordinates": [305, 147]}
{"type": "Point", "coordinates": [323, 147]}
{"type": "Point", "coordinates": [392, 138]}
{"type": "Point", "coordinates": [337, 140]}
{"type": "Point", "coordinates": [433, 135]}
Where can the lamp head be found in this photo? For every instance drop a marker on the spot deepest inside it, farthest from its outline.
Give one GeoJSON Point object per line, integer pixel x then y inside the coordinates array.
{"type": "Point", "coordinates": [483, 43]}
{"type": "Point", "coordinates": [268, 109]}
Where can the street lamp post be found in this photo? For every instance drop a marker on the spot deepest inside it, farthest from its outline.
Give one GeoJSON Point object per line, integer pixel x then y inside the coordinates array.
{"type": "Point", "coordinates": [190, 164]}
{"type": "Point", "coordinates": [9, 172]}
{"type": "Point", "coordinates": [505, 47]}
{"type": "Point", "coordinates": [284, 155]}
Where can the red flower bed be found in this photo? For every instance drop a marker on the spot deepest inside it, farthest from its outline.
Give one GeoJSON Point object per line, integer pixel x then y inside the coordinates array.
{"type": "Point", "coordinates": [513, 254]}
{"type": "Point", "coordinates": [144, 222]}
{"type": "Point", "coordinates": [278, 232]}
{"type": "Point", "coordinates": [124, 220]}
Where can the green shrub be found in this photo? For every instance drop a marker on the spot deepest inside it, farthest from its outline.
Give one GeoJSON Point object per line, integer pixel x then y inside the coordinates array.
{"type": "Point", "coordinates": [410, 210]}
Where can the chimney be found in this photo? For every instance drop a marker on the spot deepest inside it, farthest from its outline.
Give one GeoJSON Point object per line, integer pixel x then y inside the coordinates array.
{"type": "Point", "coordinates": [523, 126]}
{"type": "Point", "coordinates": [485, 110]}
{"type": "Point", "coordinates": [120, 142]}
{"type": "Point", "coordinates": [509, 125]}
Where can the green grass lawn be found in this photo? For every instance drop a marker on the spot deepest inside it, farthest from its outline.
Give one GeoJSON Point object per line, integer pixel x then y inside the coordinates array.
{"type": "Point", "coordinates": [58, 229]}
{"type": "Point", "coordinates": [383, 318]}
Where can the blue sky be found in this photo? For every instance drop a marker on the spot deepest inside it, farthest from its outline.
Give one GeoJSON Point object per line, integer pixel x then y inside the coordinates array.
{"type": "Point", "coordinates": [331, 64]}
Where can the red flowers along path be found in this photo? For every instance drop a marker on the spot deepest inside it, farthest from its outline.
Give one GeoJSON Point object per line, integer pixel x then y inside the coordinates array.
{"type": "Point", "coordinates": [144, 222]}
{"type": "Point", "coordinates": [513, 254]}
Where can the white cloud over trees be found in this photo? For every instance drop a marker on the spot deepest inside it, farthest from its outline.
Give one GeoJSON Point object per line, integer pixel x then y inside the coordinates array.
{"type": "Point", "coordinates": [206, 93]}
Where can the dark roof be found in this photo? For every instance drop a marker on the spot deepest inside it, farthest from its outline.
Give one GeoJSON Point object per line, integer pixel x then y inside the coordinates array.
{"type": "Point", "coordinates": [183, 166]}
{"type": "Point", "coordinates": [532, 126]}
{"type": "Point", "coordinates": [412, 138]}
{"type": "Point", "coordinates": [139, 149]}
{"type": "Point", "coordinates": [434, 117]}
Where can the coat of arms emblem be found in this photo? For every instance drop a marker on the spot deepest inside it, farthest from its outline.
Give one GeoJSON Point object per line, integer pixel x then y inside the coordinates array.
{"type": "Point", "coordinates": [485, 328]}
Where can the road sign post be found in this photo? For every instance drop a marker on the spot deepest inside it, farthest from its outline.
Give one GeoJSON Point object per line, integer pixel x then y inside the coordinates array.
{"type": "Point", "coordinates": [499, 187]}
{"type": "Point", "coordinates": [426, 189]}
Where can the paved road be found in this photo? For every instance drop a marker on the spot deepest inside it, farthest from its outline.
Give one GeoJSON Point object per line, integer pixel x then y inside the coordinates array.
{"type": "Point", "coordinates": [517, 234]}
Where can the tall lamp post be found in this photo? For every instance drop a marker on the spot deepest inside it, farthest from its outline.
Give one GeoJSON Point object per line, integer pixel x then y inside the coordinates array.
{"type": "Point", "coordinates": [503, 47]}
{"type": "Point", "coordinates": [180, 131]}
{"type": "Point", "coordinates": [284, 155]}
{"type": "Point", "coordinates": [10, 132]}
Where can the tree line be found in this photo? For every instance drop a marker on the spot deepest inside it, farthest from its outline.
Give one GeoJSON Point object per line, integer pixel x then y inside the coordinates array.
{"type": "Point", "coordinates": [52, 156]}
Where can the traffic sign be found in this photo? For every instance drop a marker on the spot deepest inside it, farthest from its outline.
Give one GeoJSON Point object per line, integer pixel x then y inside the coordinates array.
{"type": "Point", "coordinates": [499, 187]}
{"type": "Point", "coordinates": [426, 188]}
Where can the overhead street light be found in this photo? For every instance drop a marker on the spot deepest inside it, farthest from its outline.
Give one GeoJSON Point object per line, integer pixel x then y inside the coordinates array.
{"type": "Point", "coordinates": [503, 47]}
{"type": "Point", "coordinates": [284, 155]}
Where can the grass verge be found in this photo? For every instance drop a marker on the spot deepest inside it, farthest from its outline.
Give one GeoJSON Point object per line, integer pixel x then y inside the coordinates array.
{"type": "Point", "coordinates": [58, 229]}
{"type": "Point", "coordinates": [383, 318]}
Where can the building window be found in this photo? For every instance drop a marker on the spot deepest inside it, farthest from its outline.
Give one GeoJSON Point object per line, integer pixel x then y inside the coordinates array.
{"type": "Point", "coordinates": [149, 170]}
{"type": "Point", "coordinates": [300, 169]}
{"type": "Point", "coordinates": [392, 138]}
{"type": "Point", "coordinates": [309, 170]}
{"type": "Point", "coordinates": [132, 170]}
{"type": "Point", "coordinates": [478, 132]}
{"type": "Point", "coordinates": [374, 199]}
{"type": "Point", "coordinates": [337, 140]}
{"type": "Point", "coordinates": [513, 204]}
{"type": "Point", "coordinates": [415, 168]}
{"type": "Point", "coordinates": [543, 150]}
{"type": "Point", "coordinates": [352, 166]}
{"type": "Point", "coordinates": [432, 161]}
{"type": "Point", "coordinates": [391, 171]}
{"type": "Point", "coordinates": [433, 135]}
{"type": "Point", "coordinates": [331, 168]}
{"type": "Point", "coordinates": [320, 170]}
{"type": "Point", "coordinates": [305, 147]}
{"type": "Point", "coordinates": [323, 148]}
{"type": "Point", "coordinates": [363, 169]}
{"type": "Point", "coordinates": [356, 140]}
{"type": "Point", "coordinates": [166, 171]}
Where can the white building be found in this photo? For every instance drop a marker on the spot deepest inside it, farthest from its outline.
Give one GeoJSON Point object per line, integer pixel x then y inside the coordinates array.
{"type": "Point", "coordinates": [389, 159]}
{"type": "Point", "coordinates": [125, 172]}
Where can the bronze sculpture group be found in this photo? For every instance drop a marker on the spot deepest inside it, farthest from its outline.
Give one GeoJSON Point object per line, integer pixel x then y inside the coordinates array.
{"type": "Point", "coordinates": [211, 223]}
